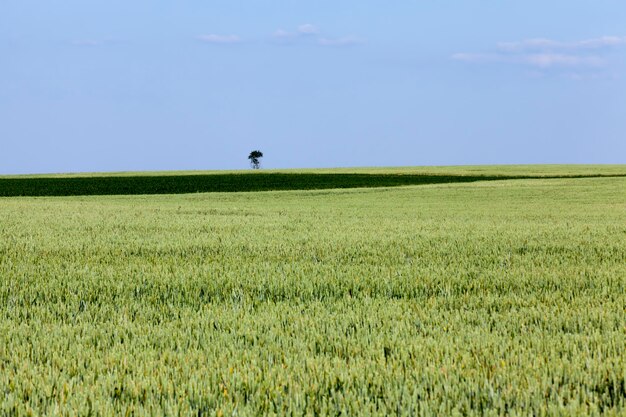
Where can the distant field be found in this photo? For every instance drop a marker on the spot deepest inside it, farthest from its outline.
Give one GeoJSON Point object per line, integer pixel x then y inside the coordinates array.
{"type": "Point", "coordinates": [483, 298]}
{"type": "Point", "coordinates": [237, 181]}
{"type": "Point", "coordinates": [452, 170]}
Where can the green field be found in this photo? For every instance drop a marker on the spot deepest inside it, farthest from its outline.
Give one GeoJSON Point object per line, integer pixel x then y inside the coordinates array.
{"type": "Point", "coordinates": [139, 183]}
{"type": "Point", "coordinates": [499, 297]}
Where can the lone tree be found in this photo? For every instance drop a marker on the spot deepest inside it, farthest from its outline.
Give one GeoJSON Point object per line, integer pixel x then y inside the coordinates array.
{"type": "Point", "coordinates": [254, 158]}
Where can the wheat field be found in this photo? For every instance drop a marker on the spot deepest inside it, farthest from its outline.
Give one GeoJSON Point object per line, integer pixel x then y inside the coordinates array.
{"type": "Point", "coordinates": [485, 298]}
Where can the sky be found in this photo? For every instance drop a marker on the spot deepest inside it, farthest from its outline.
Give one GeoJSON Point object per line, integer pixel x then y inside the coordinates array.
{"type": "Point", "coordinates": [118, 85]}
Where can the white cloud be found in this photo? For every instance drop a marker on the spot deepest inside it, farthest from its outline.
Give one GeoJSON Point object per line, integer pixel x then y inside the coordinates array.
{"type": "Point", "coordinates": [343, 41]}
{"type": "Point", "coordinates": [528, 44]}
{"type": "Point", "coordinates": [287, 37]}
{"type": "Point", "coordinates": [303, 31]}
{"type": "Point", "coordinates": [603, 42]}
{"type": "Point", "coordinates": [308, 29]}
{"type": "Point", "coordinates": [308, 33]}
{"type": "Point", "coordinates": [538, 60]}
{"type": "Point", "coordinates": [543, 54]}
{"type": "Point", "coordinates": [549, 60]}
{"type": "Point", "coordinates": [87, 42]}
{"type": "Point", "coordinates": [476, 57]}
{"type": "Point", "coordinates": [540, 44]}
{"type": "Point", "coordinates": [282, 34]}
{"type": "Point", "coordinates": [220, 39]}
{"type": "Point", "coordinates": [93, 42]}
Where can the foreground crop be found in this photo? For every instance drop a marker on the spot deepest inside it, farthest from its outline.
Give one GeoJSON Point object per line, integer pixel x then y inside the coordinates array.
{"type": "Point", "coordinates": [505, 297]}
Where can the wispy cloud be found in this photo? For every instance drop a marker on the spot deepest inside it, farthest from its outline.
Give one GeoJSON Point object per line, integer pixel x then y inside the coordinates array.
{"type": "Point", "coordinates": [544, 54]}
{"type": "Point", "coordinates": [549, 60]}
{"type": "Point", "coordinates": [344, 41]}
{"type": "Point", "coordinates": [309, 33]}
{"type": "Point", "coordinates": [220, 39]}
{"type": "Point", "coordinates": [87, 42]}
{"type": "Point", "coordinates": [94, 42]}
{"type": "Point", "coordinates": [479, 58]}
{"type": "Point", "coordinates": [308, 29]}
{"type": "Point", "coordinates": [540, 44]}
{"type": "Point", "coordinates": [539, 60]}
{"type": "Point", "coordinates": [302, 32]}
{"type": "Point", "coordinates": [282, 34]}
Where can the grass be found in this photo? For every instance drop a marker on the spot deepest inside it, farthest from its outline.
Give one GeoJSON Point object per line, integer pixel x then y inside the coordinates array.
{"type": "Point", "coordinates": [482, 298]}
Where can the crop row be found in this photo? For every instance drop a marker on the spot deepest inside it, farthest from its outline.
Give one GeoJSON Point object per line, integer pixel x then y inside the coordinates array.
{"type": "Point", "coordinates": [258, 181]}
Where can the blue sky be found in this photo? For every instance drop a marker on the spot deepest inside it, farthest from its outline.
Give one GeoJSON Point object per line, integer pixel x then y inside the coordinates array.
{"type": "Point", "coordinates": [167, 85]}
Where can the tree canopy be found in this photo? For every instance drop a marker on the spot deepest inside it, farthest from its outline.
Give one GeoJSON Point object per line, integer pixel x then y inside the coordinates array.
{"type": "Point", "coordinates": [255, 159]}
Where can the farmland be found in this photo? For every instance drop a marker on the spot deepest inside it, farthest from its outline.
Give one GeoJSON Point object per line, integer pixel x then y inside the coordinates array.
{"type": "Point", "coordinates": [237, 181]}
{"type": "Point", "coordinates": [505, 296]}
